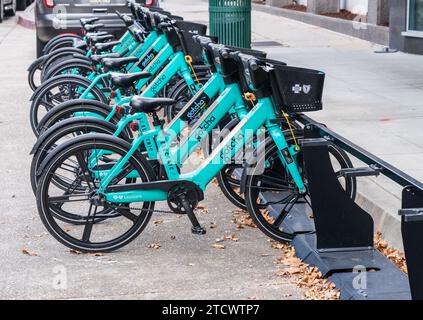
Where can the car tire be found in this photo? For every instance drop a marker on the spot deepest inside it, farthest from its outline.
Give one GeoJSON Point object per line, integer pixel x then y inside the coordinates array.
{"type": "Point", "coordinates": [40, 47]}
{"type": "Point", "coordinates": [11, 12]}
{"type": "Point", "coordinates": [21, 4]}
{"type": "Point", "coordinates": [1, 11]}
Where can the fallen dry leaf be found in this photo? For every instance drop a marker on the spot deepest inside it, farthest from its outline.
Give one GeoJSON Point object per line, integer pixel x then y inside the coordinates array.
{"type": "Point", "coordinates": [97, 254]}
{"type": "Point", "coordinates": [306, 277]}
{"type": "Point", "coordinates": [241, 218]}
{"type": "Point", "coordinates": [157, 222]}
{"type": "Point", "coordinates": [29, 253]}
{"type": "Point", "coordinates": [73, 251]}
{"type": "Point", "coordinates": [289, 271]}
{"type": "Point", "coordinates": [213, 225]}
{"type": "Point", "coordinates": [218, 246]}
{"type": "Point", "coordinates": [395, 256]}
{"type": "Point", "coordinates": [202, 209]}
{"type": "Point", "coordinates": [155, 246]}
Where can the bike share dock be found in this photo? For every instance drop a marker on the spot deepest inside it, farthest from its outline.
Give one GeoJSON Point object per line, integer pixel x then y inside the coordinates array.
{"type": "Point", "coordinates": [337, 237]}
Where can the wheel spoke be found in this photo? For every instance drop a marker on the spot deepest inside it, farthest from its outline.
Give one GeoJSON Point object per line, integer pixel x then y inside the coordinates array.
{"type": "Point", "coordinates": [282, 188]}
{"type": "Point", "coordinates": [74, 197]}
{"type": "Point", "coordinates": [127, 214]}
{"type": "Point", "coordinates": [85, 170]}
{"type": "Point", "coordinates": [284, 212]}
{"type": "Point", "coordinates": [89, 224]}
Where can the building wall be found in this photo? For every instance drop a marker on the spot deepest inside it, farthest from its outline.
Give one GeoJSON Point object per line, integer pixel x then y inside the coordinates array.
{"type": "Point", "coordinates": [355, 6]}
{"type": "Point", "coordinates": [398, 24]}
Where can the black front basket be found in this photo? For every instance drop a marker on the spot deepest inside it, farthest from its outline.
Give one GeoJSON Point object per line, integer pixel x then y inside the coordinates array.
{"type": "Point", "coordinates": [190, 47]}
{"type": "Point", "coordinates": [297, 89]}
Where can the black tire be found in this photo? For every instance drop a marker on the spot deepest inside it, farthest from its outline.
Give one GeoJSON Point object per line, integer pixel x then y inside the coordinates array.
{"type": "Point", "coordinates": [34, 73]}
{"type": "Point", "coordinates": [1, 11]}
{"type": "Point", "coordinates": [276, 178]}
{"type": "Point", "coordinates": [58, 56]}
{"type": "Point", "coordinates": [68, 109]}
{"type": "Point", "coordinates": [11, 12]}
{"type": "Point", "coordinates": [40, 47]}
{"type": "Point", "coordinates": [21, 4]}
{"type": "Point", "coordinates": [58, 38]}
{"type": "Point", "coordinates": [65, 42]}
{"type": "Point", "coordinates": [45, 98]}
{"type": "Point", "coordinates": [119, 217]}
{"type": "Point", "coordinates": [66, 67]}
{"type": "Point", "coordinates": [58, 133]}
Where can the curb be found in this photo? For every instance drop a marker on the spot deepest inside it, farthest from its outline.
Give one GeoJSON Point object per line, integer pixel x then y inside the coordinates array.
{"type": "Point", "coordinates": [26, 18]}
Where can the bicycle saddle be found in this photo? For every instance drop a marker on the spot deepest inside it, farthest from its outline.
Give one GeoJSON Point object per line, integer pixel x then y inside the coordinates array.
{"type": "Point", "coordinates": [99, 47]}
{"type": "Point", "coordinates": [93, 27]}
{"type": "Point", "coordinates": [96, 34]}
{"type": "Point", "coordinates": [85, 21]}
{"type": "Point", "coordinates": [147, 105]}
{"type": "Point", "coordinates": [120, 80]}
{"type": "Point", "coordinates": [115, 64]}
{"type": "Point", "coordinates": [97, 39]}
{"type": "Point", "coordinates": [98, 58]}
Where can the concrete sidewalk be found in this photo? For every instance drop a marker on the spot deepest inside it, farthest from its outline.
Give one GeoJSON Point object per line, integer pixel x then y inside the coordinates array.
{"type": "Point", "coordinates": [375, 100]}
{"type": "Point", "coordinates": [185, 266]}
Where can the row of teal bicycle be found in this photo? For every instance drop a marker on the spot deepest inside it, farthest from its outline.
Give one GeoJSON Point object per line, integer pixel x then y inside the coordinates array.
{"type": "Point", "coordinates": [118, 121]}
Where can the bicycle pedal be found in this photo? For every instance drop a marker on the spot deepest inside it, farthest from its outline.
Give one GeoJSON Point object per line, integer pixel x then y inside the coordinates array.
{"type": "Point", "coordinates": [198, 230]}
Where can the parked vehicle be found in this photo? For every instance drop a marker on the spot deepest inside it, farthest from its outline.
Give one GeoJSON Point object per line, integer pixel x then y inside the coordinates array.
{"type": "Point", "coordinates": [9, 7]}
{"type": "Point", "coordinates": [54, 17]}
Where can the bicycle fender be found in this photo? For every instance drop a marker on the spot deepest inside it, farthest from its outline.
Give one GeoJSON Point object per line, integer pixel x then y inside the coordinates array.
{"type": "Point", "coordinates": [68, 104]}
{"type": "Point", "coordinates": [35, 93]}
{"type": "Point", "coordinates": [58, 126]}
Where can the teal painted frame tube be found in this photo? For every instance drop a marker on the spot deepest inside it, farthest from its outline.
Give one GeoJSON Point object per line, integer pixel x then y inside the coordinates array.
{"type": "Point", "coordinates": [258, 117]}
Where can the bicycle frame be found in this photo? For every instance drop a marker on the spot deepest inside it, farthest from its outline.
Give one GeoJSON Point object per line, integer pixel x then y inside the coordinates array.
{"type": "Point", "coordinates": [261, 115]}
{"type": "Point", "coordinates": [173, 63]}
{"type": "Point", "coordinates": [145, 51]}
{"type": "Point", "coordinates": [231, 96]}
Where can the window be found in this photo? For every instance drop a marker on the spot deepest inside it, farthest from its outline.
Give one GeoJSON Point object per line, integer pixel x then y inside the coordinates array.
{"type": "Point", "coordinates": [415, 15]}
{"type": "Point", "coordinates": [414, 26]}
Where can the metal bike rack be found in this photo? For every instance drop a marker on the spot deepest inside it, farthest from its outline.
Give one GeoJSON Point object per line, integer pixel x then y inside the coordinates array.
{"type": "Point", "coordinates": [338, 238]}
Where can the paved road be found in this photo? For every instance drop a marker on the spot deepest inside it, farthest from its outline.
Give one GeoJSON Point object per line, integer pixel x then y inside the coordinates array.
{"type": "Point", "coordinates": [185, 267]}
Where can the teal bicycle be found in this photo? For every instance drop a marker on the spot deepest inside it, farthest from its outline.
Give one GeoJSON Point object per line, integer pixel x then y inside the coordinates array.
{"type": "Point", "coordinates": [173, 61]}
{"type": "Point", "coordinates": [117, 184]}
{"type": "Point", "coordinates": [69, 46]}
{"type": "Point", "coordinates": [225, 79]}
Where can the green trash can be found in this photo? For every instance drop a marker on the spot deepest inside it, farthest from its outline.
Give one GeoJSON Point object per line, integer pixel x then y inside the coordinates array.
{"type": "Point", "coordinates": [230, 20]}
